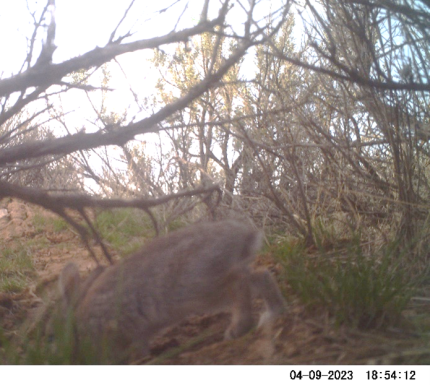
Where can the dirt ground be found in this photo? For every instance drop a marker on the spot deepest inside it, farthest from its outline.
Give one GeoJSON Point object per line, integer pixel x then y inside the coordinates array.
{"type": "Point", "coordinates": [296, 338]}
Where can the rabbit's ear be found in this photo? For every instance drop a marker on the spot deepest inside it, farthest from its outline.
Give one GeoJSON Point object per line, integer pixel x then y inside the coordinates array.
{"type": "Point", "coordinates": [69, 282]}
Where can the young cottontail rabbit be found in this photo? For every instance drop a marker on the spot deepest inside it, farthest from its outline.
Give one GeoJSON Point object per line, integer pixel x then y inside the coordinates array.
{"type": "Point", "coordinates": [204, 268]}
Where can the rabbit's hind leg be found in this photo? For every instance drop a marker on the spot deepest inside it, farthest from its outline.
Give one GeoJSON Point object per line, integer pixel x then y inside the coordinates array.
{"type": "Point", "coordinates": [241, 306]}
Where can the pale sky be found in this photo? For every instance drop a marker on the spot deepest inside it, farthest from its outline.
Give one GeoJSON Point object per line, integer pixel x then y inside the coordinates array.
{"type": "Point", "coordinates": [81, 25]}
{"type": "Point", "coordinates": [84, 24]}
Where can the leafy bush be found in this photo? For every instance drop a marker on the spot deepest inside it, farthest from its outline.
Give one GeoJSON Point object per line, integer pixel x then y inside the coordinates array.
{"type": "Point", "coordinates": [362, 291]}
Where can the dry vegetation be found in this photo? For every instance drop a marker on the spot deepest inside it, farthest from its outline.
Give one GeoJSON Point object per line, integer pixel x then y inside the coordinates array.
{"type": "Point", "coordinates": [311, 119]}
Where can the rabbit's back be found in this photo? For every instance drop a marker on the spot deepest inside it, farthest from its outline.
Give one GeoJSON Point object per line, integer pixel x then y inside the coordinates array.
{"type": "Point", "coordinates": [186, 269]}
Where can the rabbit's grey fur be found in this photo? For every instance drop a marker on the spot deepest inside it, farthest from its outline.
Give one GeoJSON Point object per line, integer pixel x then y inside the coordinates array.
{"type": "Point", "coordinates": [204, 268]}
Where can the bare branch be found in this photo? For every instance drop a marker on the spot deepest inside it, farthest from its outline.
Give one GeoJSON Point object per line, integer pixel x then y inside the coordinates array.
{"type": "Point", "coordinates": [79, 202]}
{"type": "Point", "coordinates": [119, 135]}
{"type": "Point", "coordinates": [48, 74]}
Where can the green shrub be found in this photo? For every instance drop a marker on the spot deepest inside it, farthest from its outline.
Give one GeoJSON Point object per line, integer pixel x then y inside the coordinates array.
{"type": "Point", "coordinates": [358, 290]}
{"type": "Point", "coordinates": [16, 267]}
{"type": "Point", "coordinates": [39, 222]}
{"type": "Point", "coordinates": [124, 229]}
{"type": "Point", "coordinates": [59, 224]}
